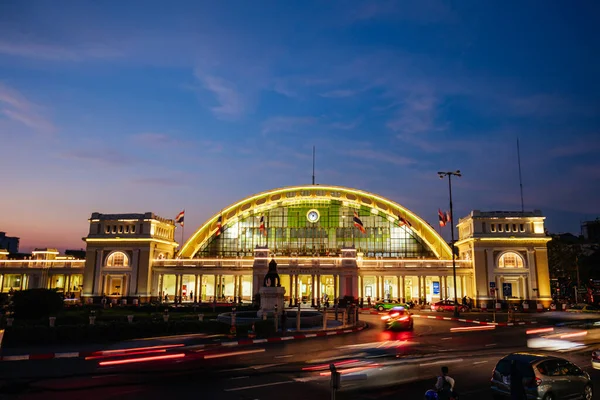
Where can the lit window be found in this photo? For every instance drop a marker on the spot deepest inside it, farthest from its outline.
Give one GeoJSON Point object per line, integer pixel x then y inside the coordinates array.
{"type": "Point", "coordinates": [132, 228]}
{"type": "Point", "coordinates": [117, 259]}
{"type": "Point", "coordinates": [510, 260]}
{"type": "Point", "coordinates": [493, 227]}
{"type": "Point", "coordinates": [500, 228]}
{"type": "Point", "coordinates": [515, 228]}
{"type": "Point", "coordinates": [522, 227]}
{"type": "Point", "coordinates": [120, 228]}
{"type": "Point", "coordinates": [507, 227]}
{"type": "Point", "coordinates": [127, 229]}
{"type": "Point", "coordinates": [107, 229]}
{"type": "Point", "coordinates": [114, 229]}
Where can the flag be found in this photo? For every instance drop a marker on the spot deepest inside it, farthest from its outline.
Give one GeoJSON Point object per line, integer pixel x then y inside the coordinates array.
{"type": "Point", "coordinates": [179, 218]}
{"type": "Point", "coordinates": [219, 225]}
{"type": "Point", "coordinates": [448, 216]}
{"type": "Point", "coordinates": [262, 225]}
{"type": "Point", "coordinates": [403, 221]}
{"type": "Point", "coordinates": [358, 223]}
{"type": "Point", "coordinates": [442, 218]}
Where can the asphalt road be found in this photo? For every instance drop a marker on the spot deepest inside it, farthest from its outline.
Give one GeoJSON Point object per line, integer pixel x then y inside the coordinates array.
{"type": "Point", "coordinates": [376, 365]}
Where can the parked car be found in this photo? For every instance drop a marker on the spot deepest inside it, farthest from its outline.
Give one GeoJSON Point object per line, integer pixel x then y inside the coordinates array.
{"type": "Point", "coordinates": [447, 305]}
{"type": "Point", "coordinates": [596, 359]}
{"type": "Point", "coordinates": [543, 378]}
{"type": "Point", "coordinates": [388, 305]}
{"type": "Point", "coordinates": [583, 308]}
{"type": "Point", "coordinates": [398, 318]}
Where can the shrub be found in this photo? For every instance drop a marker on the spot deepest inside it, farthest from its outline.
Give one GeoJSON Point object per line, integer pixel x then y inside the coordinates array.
{"type": "Point", "coordinates": [36, 303]}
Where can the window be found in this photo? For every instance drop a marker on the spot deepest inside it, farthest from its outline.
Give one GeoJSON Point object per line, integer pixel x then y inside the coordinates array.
{"type": "Point", "coordinates": [120, 228]}
{"type": "Point", "coordinates": [127, 229]}
{"type": "Point", "coordinates": [500, 228]}
{"type": "Point", "coordinates": [132, 228]}
{"type": "Point", "coordinates": [493, 227]}
{"type": "Point", "coordinates": [483, 227]}
{"type": "Point", "coordinates": [522, 228]}
{"type": "Point", "coordinates": [510, 260]}
{"type": "Point", "coordinates": [117, 259]}
{"type": "Point", "coordinates": [515, 228]}
{"type": "Point", "coordinates": [507, 227]}
{"type": "Point", "coordinates": [114, 229]}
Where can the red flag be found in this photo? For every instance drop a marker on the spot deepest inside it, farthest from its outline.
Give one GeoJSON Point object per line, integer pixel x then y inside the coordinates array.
{"type": "Point", "coordinates": [358, 223]}
{"type": "Point", "coordinates": [262, 225]}
{"type": "Point", "coordinates": [219, 225]}
{"type": "Point", "coordinates": [442, 218]}
{"type": "Point", "coordinates": [403, 221]}
{"type": "Point", "coordinates": [180, 217]}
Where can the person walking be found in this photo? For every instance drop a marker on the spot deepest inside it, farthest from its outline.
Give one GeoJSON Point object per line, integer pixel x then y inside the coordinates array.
{"type": "Point", "coordinates": [445, 385]}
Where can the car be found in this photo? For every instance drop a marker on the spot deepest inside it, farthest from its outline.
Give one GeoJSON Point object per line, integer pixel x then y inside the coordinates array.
{"type": "Point", "coordinates": [447, 305]}
{"type": "Point", "coordinates": [398, 318]}
{"type": "Point", "coordinates": [388, 305]}
{"type": "Point", "coordinates": [543, 377]}
{"type": "Point", "coordinates": [583, 308]}
{"type": "Point", "coordinates": [596, 359]}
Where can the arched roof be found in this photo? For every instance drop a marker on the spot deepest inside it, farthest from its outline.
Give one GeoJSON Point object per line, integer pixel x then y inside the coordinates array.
{"type": "Point", "coordinates": [292, 194]}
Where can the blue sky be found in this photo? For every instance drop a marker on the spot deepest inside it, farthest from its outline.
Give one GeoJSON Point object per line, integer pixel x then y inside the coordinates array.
{"type": "Point", "coordinates": [152, 106]}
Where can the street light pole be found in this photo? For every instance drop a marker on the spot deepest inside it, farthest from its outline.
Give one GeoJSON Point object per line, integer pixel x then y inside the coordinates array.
{"type": "Point", "coordinates": [449, 175]}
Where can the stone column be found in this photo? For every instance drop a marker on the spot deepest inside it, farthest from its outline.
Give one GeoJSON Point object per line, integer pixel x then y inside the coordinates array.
{"type": "Point", "coordinates": [200, 277]}
{"type": "Point", "coordinates": [318, 288]}
{"type": "Point", "coordinates": [335, 287]}
{"type": "Point", "coordinates": [401, 288]}
{"type": "Point", "coordinates": [420, 278]}
{"type": "Point", "coordinates": [215, 286]}
{"type": "Point", "coordinates": [313, 290]}
{"type": "Point", "coordinates": [1, 282]}
{"type": "Point", "coordinates": [235, 288]}
{"type": "Point", "coordinates": [446, 287]}
{"type": "Point", "coordinates": [463, 286]}
{"type": "Point", "coordinates": [291, 288]}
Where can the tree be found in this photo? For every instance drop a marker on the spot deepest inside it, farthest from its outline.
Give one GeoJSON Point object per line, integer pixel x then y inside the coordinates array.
{"type": "Point", "coordinates": [36, 303]}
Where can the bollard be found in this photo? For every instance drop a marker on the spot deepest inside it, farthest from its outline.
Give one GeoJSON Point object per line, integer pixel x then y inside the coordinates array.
{"type": "Point", "coordinates": [89, 300]}
{"type": "Point", "coordinates": [264, 317]}
{"type": "Point", "coordinates": [130, 319]}
{"type": "Point", "coordinates": [564, 306]}
{"type": "Point", "coordinates": [135, 302]}
{"type": "Point", "coordinates": [335, 380]}
{"type": "Point", "coordinates": [124, 302]}
{"type": "Point", "coordinates": [9, 321]}
{"type": "Point", "coordinates": [298, 318]}
{"type": "Point", "coordinates": [113, 301]}
{"type": "Point", "coordinates": [52, 321]}
{"type": "Point", "coordinates": [324, 318]}
{"type": "Point", "coordinates": [540, 308]}
{"type": "Point", "coordinates": [166, 317]}
{"type": "Point", "coordinates": [553, 307]}
{"type": "Point", "coordinates": [498, 306]}
{"type": "Point", "coordinates": [484, 306]}
{"type": "Point", "coordinates": [200, 317]}
{"type": "Point", "coordinates": [92, 319]}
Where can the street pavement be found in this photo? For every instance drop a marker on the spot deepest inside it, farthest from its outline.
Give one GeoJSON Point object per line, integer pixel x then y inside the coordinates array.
{"type": "Point", "coordinates": [379, 364]}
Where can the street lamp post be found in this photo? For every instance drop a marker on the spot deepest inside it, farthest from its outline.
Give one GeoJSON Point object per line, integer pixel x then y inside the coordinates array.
{"type": "Point", "coordinates": [449, 175]}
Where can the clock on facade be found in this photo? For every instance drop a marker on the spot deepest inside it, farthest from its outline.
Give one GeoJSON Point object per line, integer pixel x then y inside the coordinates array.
{"type": "Point", "coordinates": [312, 216]}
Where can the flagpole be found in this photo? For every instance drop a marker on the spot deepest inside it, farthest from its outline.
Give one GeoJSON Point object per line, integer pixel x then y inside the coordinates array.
{"type": "Point", "coordinates": [182, 228]}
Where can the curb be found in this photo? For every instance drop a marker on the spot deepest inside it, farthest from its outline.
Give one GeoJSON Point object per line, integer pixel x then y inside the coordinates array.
{"type": "Point", "coordinates": [242, 342]}
{"type": "Point", "coordinates": [474, 321]}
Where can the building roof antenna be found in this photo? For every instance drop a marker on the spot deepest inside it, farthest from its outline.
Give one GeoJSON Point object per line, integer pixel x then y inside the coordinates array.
{"type": "Point", "coordinates": [313, 175]}
{"type": "Point", "coordinates": [520, 176]}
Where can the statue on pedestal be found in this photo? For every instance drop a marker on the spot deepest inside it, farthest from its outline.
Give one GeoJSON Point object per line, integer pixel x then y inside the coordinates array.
{"type": "Point", "coordinates": [272, 277]}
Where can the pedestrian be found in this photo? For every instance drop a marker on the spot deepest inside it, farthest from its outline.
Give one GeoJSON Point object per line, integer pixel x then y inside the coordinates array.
{"type": "Point", "coordinates": [517, 390]}
{"type": "Point", "coordinates": [464, 301]}
{"type": "Point", "coordinates": [445, 385]}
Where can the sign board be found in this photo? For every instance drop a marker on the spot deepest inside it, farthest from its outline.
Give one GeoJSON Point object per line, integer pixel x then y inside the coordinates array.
{"type": "Point", "coordinates": [436, 288]}
{"type": "Point", "coordinates": [507, 289]}
{"type": "Point", "coordinates": [493, 285]}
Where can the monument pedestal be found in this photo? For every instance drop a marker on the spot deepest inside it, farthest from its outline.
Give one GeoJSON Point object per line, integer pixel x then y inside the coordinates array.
{"type": "Point", "coordinates": [269, 298]}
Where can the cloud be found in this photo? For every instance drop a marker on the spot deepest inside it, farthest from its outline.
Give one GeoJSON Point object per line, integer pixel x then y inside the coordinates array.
{"type": "Point", "coordinates": [16, 107]}
{"type": "Point", "coordinates": [416, 115]}
{"type": "Point", "coordinates": [158, 181]}
{"type": "Point", "coordinates": [374, 155]}
{"type": "Point", "coordinates": [231, 102]}
{"type": "Point", "coordinates": [106, 156]}
{"type": "Point", "coordinates": [51, 52]}
{"type": "Point", "coordinates": [339, 94]}
{"type": "Point", "coordinates": [576, 148]}
{"type": "Point", "coordinates": [346, 126]}
{"type": "Point", "coordinates": [285, 124]}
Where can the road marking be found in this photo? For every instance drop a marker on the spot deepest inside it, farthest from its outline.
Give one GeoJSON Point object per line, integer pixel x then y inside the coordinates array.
{"type": "Point", "coordinates": [256, 341]}
{"type": "Point", "coordinates": [66, 355]}
{"type": "Point", "coordinates": [264, 366]}
{"type": "Point", "coordinates": [491, 344]}
{"type": "Point", "coordinates": [15, 358]}
{"type": "Point", "coordinates": [310, 335]}
{"type": "Point", "coordinates": [479, 362]}
{"type": "Point", "coordinates": [233, 353]}
{"type": "Point", "coordinates": [286, 356]}
{"type": "Point", "coordinates": [238, 377]}
{"type": "Point", "coordinates": [441, 362]}
{"type": "Point", "coordinates": [446, 338]}
{"type": "Point", "coordinates": [257, 386]}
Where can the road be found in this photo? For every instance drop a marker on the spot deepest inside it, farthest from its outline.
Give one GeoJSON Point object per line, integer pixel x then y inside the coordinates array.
{"type": "Point", "coordinates": [382, 365]}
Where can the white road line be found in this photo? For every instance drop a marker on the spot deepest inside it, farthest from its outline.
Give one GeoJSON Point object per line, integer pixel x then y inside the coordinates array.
{"type": "Point", "coordinates": [286, 338]}
{"type": "Point", "coordinates": [66, 355]}
{"type": "Point", "coordinates": [257, 386]}
{"type": "Point", "coordinates": [264, 366]}
{"type": "Point", "coordinates": [256, 341]}
{"type": "Point", "coordinates": [234, 353]}
{"type": "Point", "coordinates": [479, 362]}
{"type": "Point", "coordinates": [446, 338]}
{"type": "Point", "coordinates": [491, 344]}
{"type": "Point", "coordinates": [441, 362]}
{"type": "Point", "coordinates": [15, 358]}
{"type": "Point", "coordinates": [310, 335]}
{"type": "Point", "coordinates": [286, 356]}
{"type": "Point", "coordinates": [238, 377]}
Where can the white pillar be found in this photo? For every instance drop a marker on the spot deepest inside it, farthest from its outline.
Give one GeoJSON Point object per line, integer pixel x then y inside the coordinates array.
{"type": "Point", "coordinates": [402, 287]}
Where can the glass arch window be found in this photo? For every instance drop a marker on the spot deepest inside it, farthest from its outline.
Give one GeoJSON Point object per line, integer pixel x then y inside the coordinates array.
{"type": "Point", "coordinates": [510, 260]}
{"type": "Point", "coordinates": [117, 259]}
{"type": "Point", "coordinates": [288, 232]}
